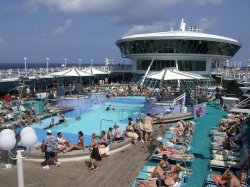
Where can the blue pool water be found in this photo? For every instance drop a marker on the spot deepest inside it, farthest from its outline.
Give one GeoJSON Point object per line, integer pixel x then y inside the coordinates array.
{"type": "Point", "coordinates": [96, 118]}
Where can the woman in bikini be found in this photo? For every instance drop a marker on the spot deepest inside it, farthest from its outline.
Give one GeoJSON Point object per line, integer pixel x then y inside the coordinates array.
{"type": "Point", "coordinates": [95, 154]}
{"type": "Point", "coordinates": [170, 177]}
{"type": "Point", "coordinates": [78, 146]}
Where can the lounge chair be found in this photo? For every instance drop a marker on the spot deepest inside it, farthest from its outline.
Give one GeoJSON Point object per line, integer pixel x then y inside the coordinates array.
{"type": "Point", "coordinates": [209, 182]}
{"type": "Point", "coordinates": [148, 169]}
{"type": "Point", "coordinates": [187, 158]}
{"type": "Point", "coordinates": [224, 164]}
{"type": "Point", "coordinates": [146, 176]}
{"type": "Point", "coordinates": [225, 157]}
{"type": "Point", "coordinates": [226, 152]}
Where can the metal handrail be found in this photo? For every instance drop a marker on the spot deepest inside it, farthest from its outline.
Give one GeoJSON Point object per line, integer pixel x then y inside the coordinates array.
{"type": "Point", "coordinates": [181, 97]}
{"type": "Point", "coordinates": [122, 111]}
{"type": "Point", "coordinates": [105, 120]}
{"type": "Point", "coordinates": [244, 101]}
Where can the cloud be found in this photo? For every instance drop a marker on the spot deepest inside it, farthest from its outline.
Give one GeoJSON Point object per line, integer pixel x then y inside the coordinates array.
{"type": "Point", "coordinates": [206, 23]}
{"type": "Point", "coordinates": [117, 11]}
{"type": "Point", "coordinates": [204, 2]}
{"type": "Point", "coordinates": [57, 31]}
{"type": "Point", "coordinates": [62, 29]}
{"type": "Point", "coordinates": [164, 26]}
{"type": "Point", "coordinates": [3, 43]}
{"type": "Point", "coordinates": [155, 27]}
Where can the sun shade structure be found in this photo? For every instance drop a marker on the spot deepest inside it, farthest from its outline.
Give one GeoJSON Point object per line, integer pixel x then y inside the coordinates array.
{"type": "Point", "coordinates": [172, 77]}
{"type": "Point", "coordinates": [94, 71]}
{"type": "Point", "coordinates": [173, 74]}
{"type": "Point", "coordinates": [72, 72]}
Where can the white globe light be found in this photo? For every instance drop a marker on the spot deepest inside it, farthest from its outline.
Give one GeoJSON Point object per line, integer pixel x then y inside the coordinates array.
{"type": "Point", "coordinates": [8, 132]}
{"type": "Point", "coordinates": [28, 139]}
{"type": "Point", "coordinates": [27, 130]}
{"type": "Point", "coordinates": [7, 142]}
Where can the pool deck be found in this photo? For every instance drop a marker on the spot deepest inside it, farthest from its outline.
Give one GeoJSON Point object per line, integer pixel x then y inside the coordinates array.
{"type": "Point", "coordinates": [118, 169]}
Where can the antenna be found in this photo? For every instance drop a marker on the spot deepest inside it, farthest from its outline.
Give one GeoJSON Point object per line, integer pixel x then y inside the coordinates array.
{"type": "Point", "coordinates": [182, 25]}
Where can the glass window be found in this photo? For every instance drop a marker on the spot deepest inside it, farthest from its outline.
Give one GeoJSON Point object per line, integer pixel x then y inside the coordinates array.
{"type": "Point", "coordinates": [178, 46]}
{"type": "Point", "coordinates": [185, 65]}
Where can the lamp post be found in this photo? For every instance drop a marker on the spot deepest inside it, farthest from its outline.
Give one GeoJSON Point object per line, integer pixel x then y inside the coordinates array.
{"type": "Point", "coordinates": [8, 141]}
{"type": "Point", "coordinates": [47, 65]}
{"type": "Point", "coordinates": [65, 62]}
{"type": "Point", "coordinates": [80, 62]}
{"type": "Point", "coordinates": [25, 65]}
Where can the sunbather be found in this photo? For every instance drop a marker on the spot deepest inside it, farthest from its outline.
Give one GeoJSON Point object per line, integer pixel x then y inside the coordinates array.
{"type": "Point", "coordinates": [177, 156]}
{"type": "Point", "coordinates": [180, 138]}
{"type": "Point", "coordinates": [169, 177]}
{"type": "Point", "coordinates": [167, 182]}
{"type": "Point", "coordinates": [78, 146]}
{"type": "Point", "coordinates": [162, 148]}
{"type": "Point", "coordinates": [228, 178]}
{"type": "Point", "coordinates": [164, 164]}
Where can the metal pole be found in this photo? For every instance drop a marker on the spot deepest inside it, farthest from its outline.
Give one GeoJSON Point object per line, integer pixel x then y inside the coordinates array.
{"type": "Point", "coordinates": [80, 64]}
{"type": "Point", "coordinates": [65, 63]}
{"type": "Point", "coordinates": [25, 66]}
{"type": "Point", "coordinates": [147, 71]}
{"type": "Point", "coordinates": [47, 65]}
{"type": "Point", "coordinates": [20, 177]}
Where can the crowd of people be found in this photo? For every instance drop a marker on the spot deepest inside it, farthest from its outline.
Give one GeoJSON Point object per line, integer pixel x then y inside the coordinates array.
{"type": "Point", "coordinates": [11, 110]}
{"type": "Point", "coordinates": [99, 146]}
{"type": "Point", "coordinates": [140, 130]}
{"type": "Point", "coordinates": [229, 152]}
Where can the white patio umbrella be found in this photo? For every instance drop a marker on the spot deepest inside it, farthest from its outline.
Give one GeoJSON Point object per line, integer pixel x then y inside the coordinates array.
{"type": "Point", "coordinates": [72, 72]}
{"type": "Point", "coordinates": [173, 74]}
{"type": "Point", "coordinates": [60, 73]}
{"type": "Point", "coordinates": [94, 71]}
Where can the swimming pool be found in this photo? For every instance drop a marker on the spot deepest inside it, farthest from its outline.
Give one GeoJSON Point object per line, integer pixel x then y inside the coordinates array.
{"type": "Point", "coordinates": [96, 118]}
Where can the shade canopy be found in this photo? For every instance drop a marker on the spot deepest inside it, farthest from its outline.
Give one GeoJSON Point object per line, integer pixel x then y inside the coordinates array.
{"type": "Point", "coordinates": [72, 72]}
{"type": "Point", "coordinates": [173, 74]}
{"type": "Point", "coordinates": [94, 71]}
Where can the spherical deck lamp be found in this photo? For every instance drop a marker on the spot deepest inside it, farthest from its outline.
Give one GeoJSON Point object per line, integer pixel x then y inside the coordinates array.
{"type": "Point", "coordinates": [8, 141]}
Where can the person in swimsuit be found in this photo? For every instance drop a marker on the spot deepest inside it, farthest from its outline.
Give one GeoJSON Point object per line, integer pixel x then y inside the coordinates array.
{"type": "Point", "coordinates": [164, 164]}
{"type": "Point", "coordinates": [228, 179]}
{"type": "Point", "coordinates": [52, 121]}
{"type": "Point", "coordinates": [104, 139]}
{"type": "Point", "coordinates": [148, 125]}
{"type": "Point", "coordinates": [169, 177]}
{"type": "Point", "coordinates": [95, 154]}
{"type": "Point", "coordinates": [232, 180]}
{"type": "Point", "coordinates": [61, 119]}
{"type": "Point", "coordinates": [78, 146]}
{"type": "Point", "coordinates": [131, 133]}
{"type": "Point", "coordinates": [117, 134]}
{"type": "Point", "coordinates": [104, 148]}
{"type": "Point", "coordinates": [110, 134]}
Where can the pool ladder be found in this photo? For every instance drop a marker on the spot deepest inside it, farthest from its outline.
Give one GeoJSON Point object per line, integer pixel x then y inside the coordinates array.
{"type": "Point", "coordinates": [120, 114]}
{"type": "Point", "coordinates": [105, 120]}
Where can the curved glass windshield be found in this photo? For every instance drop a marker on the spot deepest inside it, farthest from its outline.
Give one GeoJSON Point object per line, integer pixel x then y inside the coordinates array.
{"type": "Point", "coordinates": [178, 46]}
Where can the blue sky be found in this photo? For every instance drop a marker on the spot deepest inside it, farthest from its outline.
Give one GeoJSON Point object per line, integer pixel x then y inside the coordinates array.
{"type": "Point", "coordinates": [88, 29]}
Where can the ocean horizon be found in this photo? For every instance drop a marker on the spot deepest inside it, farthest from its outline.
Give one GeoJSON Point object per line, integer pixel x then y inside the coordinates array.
{"type": "Point", "coordinates": [41, 65]}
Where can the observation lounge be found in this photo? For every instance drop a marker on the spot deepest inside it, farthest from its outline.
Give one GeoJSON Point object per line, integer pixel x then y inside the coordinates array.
{"type": "Point", "coordinates": [186, 50]}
